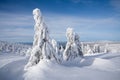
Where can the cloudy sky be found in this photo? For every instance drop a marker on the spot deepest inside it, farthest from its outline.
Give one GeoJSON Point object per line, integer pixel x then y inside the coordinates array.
{"type": "Point", "coordinates": [91, 19]}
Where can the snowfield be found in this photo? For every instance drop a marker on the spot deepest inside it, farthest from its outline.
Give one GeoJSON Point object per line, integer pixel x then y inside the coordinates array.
{"type": "Point", "coordinates": [102, 66]}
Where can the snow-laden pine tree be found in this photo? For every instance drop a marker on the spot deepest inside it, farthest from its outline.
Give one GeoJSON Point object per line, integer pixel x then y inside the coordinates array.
{"type": "Point", "coordinates": [96, 48]}
{"type": "Point", "coordinates": [42, 45]}
{"type": "Point", "coordinates": [57, 51]}
{"type": "Point", "coordinates": [88, 49]}
{"type": "Point", "coordinates": [82, 47]}
{"type": "Point", "coordinates": [106, 48]}
{"type": "Point", "coordinates": [61, 49]}
{"type": "Point", "coordinates": [77, 41]}
{"type": "Point", "coordinates": [73, 47]}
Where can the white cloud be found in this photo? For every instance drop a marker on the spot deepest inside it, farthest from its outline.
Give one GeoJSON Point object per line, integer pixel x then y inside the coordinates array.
{"type": "Point", "coordinates": [57, 25]}
{"type": "Point", "coordinates": [17, 34]}
{"type": "Point", "coordinates": [63, 21]}
{"type": "Point", "coordinates": [15, 20]}
{"type": "Point", "coordinates": [16, 27]}
{"type": "Point", "coordinates": [84, 26]}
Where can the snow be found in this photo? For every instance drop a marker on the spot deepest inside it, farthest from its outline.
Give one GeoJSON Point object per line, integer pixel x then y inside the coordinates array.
{"type": "Point", "coordinates": [11, 66]}
{"type": "Point", "coordinates": [104, 66]}
{"type": "Point", "coordinates": [91, 68]}
{"type": "Point", "coordinates": [8, 58]}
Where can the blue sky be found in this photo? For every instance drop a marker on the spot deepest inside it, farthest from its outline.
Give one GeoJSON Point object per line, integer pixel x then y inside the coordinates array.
{"type": "Point", "coordinates": [93, 20]}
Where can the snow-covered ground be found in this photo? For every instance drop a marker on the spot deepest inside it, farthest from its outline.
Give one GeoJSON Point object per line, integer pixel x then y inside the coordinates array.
{"type": "Point", "coordinates": [11, 66]}
{"type": "Point", "coordinates": [102, 66]}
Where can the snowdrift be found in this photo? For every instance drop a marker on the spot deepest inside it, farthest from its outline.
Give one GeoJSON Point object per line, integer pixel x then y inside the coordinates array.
{"type": "Point", "coordinates": [90, 68]}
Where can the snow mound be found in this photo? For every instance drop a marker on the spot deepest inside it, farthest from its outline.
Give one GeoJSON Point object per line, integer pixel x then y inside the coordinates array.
{"type": "Point", "coordinates": [39, 71]}
{"type": "Point", "coordinates": [88, 69]}
{"type": "Point", "coordinates": [103, 64]}
{"type": "Point", "coordinates": [98, 64]}
{"type": "Point", "coordinates": [47, 70]}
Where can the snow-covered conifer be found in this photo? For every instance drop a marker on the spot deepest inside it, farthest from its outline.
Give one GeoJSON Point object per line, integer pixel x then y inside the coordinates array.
{"type": "Point", "coordinates": [73, 48]}
{"type": "Point", "coordinates": [77, 41]}
{"type": "Point", "coordinates": [56, 51]}
{"type": "Point", "coordinates": [42, 45]}
{"type": "Point", "coordinates": [106, 48]}
{"type": "Point", "coordinates": [88, 49]}
{"type": "Point", "coordinates": [61, 49]}
{"type": "Point", "coordinates": [96, 48]}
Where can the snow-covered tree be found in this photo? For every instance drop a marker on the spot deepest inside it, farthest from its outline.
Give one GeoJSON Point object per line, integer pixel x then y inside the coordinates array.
{"type": "Point", "coordinates": [106, 48]}
{"type": "Point", "coordinates": [42, 45]}
{"type": "Point", "coordinates": [73, 47]}
{"type": "Point", "coordinates": [61, 49]}
{"type": "Point", "coordinates": [28, 51]}
{"type": "Point", "coordinates": [16, 48]}
{"type": "Point", "coordinates": [56, 50]}
{"type": "Point", "coordinates": [88, 49]}
{"type": "Point", "coordinates": [55, 46]}
{"type": "Point", "coordinates": [82, 47]}
{"type": "Point", "coordinates": [96, 48]}
{"type": "Point", "coordinates": [77, 41]}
